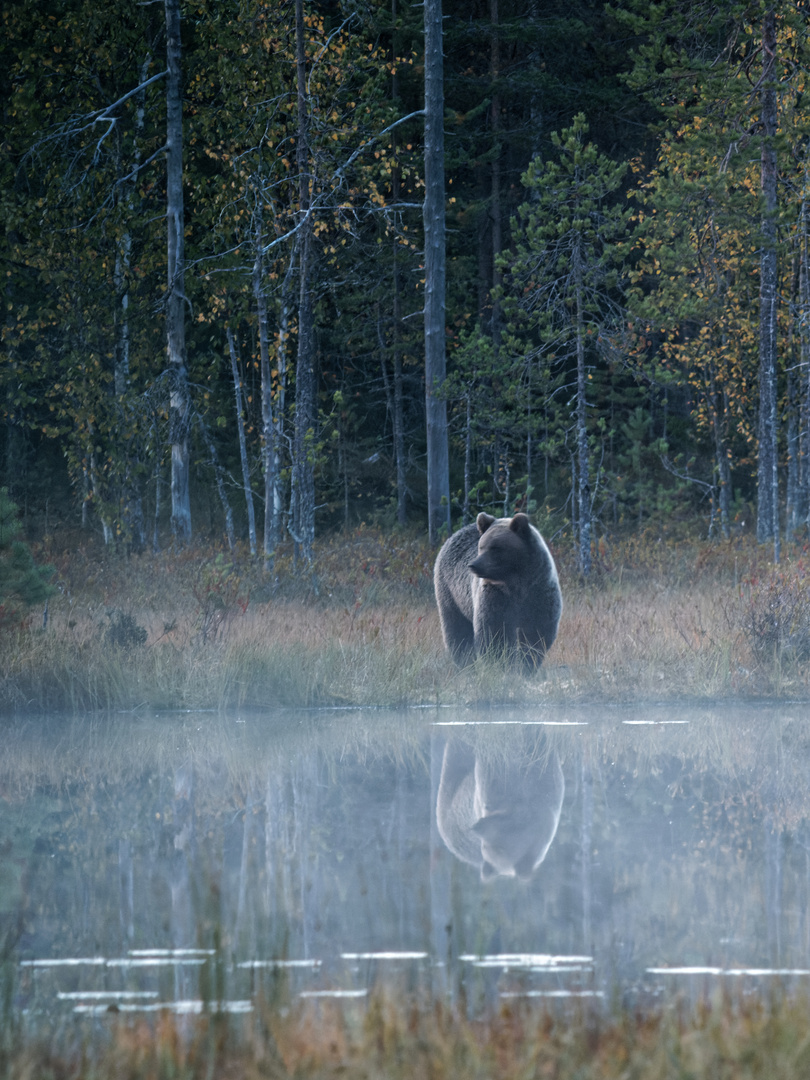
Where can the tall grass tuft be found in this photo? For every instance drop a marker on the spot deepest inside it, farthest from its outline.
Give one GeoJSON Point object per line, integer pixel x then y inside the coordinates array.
{"type": "Point", "coordinates": [776, 615]}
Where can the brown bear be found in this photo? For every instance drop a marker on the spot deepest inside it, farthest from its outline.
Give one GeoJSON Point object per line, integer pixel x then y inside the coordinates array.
{"type": "Point", "coordinates": [497, 589]}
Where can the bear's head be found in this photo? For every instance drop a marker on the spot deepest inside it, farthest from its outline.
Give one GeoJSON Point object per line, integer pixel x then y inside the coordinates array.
{"type": "Point", "coordinates": [504, 548]}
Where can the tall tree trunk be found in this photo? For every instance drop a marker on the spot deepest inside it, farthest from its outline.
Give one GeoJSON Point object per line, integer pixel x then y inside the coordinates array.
{"type": "Point", "coordinates": [268, 425]}
{"type": "Point", "coordinates": [396, 349]}
{"type": "Point", "coordinates": [438, 465]}
{"type": "Point", "coordinates": [583, 464]}
{"type": "Point", "coordinates": [240, 428]}
{"type": "Point", "coordinates": [282, 368]}
{"type": "Point", "coordinates": [718, 409]}
{"type": "Point", "coordinates": [399, 411]}
{"type": "Point", "coordinates": [179, 404]}
{"type": "Point", "coordinates": [303, 508]}
{"type": "Point", "coordinates": [767, 476]}
{"type": "Point", "coordinates": [132, 504]}
{"type": "Point", "coordinates": [392, 384]}
{"type": "Point", "coordinates": [495, 198]}
{"type": "Point", "coordinates": [466, 515]}
{"type": "Point", "coordinates": [804, 351]}
{"type": "Point", "coordinates": [268, 421]}
{"type": "Point", "coordinates": [219, 474]}
{"type": "Point", "coordinates": [793, 513]}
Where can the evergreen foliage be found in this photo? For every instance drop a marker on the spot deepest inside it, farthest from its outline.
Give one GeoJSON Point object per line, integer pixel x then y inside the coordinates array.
{"type": "Point", "coordinates": [563, 292]}
{"type": "Point", "coordinates": [22, 582]}
{"type": "Point", "coordinates": [634, 135]}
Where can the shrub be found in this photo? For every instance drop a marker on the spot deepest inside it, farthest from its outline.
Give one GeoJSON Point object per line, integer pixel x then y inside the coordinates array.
{"type": "Point", "coordinates": [777, 615]}
{"type": "Point", "coordinates": [124, 632]}
{"type": "Point", "coordinates": [22, 582]}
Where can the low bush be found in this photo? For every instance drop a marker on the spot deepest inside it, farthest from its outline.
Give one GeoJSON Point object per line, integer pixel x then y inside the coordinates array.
{"type": "Point", "coordinates": [776, 614]}
{"type": "Point", "coordinates": [22, 582]}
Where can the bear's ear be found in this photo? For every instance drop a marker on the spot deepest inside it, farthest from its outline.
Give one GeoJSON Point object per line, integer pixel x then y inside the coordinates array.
{"type": "Point", "coordinates": [520, 524]}
{"type": "Point", "coordinates": [484, 521]}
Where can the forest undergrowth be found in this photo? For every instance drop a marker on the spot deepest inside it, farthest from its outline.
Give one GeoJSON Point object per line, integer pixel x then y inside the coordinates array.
{"type": "Point", "coordinates": [209, 629]}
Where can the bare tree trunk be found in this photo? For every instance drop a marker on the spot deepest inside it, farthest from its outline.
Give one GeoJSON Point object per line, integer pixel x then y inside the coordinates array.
{"type": "Point", "coordinates": [392, 385]}
{"type": "Point", "coordinates": [396, 350]}
{"type": "Point", "coordinates": [282, 367]}
{"type": "Point", "coordinates": [268, 423]}
{"type": "Point", "coordinates": [240, 427]}
{"type": "Point", "coordinates": [219, 473]}
{"type": "Point", "coordinates": [767, 474]}
{"type": "Point", "coordinates": [156, 518]}
{"type": "Point", "coordinates": [466, 515]}
{"type": "Point", "coordinates": [438, 465]}
{"type": "Point", "coordinates": [718, 408]}
{"type": "Point", "coordinates": [584, 486]}
{"type": "Point", "coordinates": [179, 404]}
{"type": "Point", "coordinates": [399, 417]}
{"type": "Point", "coordinates": [793, 514]}
{"type": "Point", "coordinates": [132, 504]}
{"type": "Point", "coordinates": [804, 353]}
{"type": "Point", "coordinates": [303, 503]}
{"type": "Point", "coordinates": [495, 199]}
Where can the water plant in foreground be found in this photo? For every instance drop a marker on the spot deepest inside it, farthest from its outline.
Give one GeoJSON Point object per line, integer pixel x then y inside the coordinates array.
{"type": "Point", "coordinates": [380, 1037]}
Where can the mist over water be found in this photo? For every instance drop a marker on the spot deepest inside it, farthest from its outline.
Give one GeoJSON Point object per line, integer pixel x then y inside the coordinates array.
{"type": "Point", "coordinates": [172, 861]}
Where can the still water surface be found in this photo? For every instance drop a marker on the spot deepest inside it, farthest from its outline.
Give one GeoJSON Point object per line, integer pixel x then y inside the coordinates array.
{"type": "Point", "coordinates": [165, 861]}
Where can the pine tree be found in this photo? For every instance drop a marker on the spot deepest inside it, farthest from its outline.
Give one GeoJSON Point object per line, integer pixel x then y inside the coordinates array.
{"type": "Point", "coordinates": [563, 286]}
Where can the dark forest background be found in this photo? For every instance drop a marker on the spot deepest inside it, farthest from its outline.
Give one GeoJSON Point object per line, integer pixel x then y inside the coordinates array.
{"type": "Point", "coordinates": [628, 285]}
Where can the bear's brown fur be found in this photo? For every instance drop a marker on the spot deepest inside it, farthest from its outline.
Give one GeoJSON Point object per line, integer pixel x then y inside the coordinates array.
{"type": "Point", "coordinates": [497, 589]}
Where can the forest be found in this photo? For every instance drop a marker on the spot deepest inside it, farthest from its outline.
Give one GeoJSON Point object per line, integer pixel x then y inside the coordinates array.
{"type": "Point", "coordinates": [217, 275]}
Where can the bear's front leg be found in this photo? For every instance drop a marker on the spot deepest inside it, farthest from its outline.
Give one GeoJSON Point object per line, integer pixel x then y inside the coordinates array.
{"type": "Point", "coordinates": [493, 619]}
{"type": "Point", "coordinates": [457, 631]}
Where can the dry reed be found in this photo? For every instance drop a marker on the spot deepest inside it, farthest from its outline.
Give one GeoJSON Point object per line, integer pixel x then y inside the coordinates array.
{"type": "Point", "coordinates": [744, 1039]}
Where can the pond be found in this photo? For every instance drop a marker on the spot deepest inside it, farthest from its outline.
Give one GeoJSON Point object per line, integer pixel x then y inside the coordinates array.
{"type": "Point", "coordinates": [608, 854]}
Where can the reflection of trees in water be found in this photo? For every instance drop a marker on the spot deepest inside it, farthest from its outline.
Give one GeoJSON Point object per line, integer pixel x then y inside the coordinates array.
{"type": "Point", "coordinates": [342, 855]}
{"type": "Point", "coordinates": [181, 862]}
{"type": "Point", "coordinates": [696, 836]}
{"type": "Point", "coordinates": [586, 846]}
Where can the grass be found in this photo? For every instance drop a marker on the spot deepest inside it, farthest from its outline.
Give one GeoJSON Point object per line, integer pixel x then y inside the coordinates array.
{"type": "Point", "coordinates": [202, 629]}
{"type": "Point", "coordinates": [384, 1039]}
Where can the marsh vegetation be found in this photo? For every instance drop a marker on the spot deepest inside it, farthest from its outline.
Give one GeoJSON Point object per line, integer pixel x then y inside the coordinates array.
{"type": "Point", "coordinates": [205, 629]}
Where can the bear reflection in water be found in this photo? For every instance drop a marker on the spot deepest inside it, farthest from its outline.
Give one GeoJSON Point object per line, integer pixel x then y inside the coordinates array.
{"type": "Point", "coordinates": [499, 811]}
